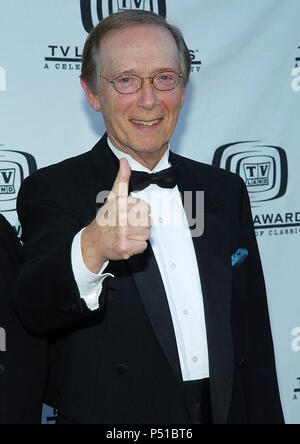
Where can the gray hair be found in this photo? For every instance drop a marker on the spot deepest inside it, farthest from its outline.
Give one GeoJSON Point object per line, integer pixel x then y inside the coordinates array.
{"type": "Point", "coordinates": [90, 71]}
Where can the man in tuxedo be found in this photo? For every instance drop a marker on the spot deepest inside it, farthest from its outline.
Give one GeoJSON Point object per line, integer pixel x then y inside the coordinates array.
{"type": "Point", "coordinates": [151, 321]}
{"type": "Point", "coordinates": [23, 362]}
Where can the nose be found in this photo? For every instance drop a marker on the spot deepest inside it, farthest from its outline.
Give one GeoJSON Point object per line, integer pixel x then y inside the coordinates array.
{"type": "Point", "coordinates": [147, 95]}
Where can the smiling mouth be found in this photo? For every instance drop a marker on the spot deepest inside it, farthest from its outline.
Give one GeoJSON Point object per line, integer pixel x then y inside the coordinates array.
{"type": "Point", "coordinates": [144, 123]}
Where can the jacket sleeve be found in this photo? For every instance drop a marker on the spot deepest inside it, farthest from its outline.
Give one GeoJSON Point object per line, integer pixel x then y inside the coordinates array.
{"type": "Point", "coordinates": [47, 297]}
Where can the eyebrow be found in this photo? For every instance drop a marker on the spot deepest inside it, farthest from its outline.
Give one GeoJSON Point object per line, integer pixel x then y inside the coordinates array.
{"type": "Point", "coordinates": [133, 71]}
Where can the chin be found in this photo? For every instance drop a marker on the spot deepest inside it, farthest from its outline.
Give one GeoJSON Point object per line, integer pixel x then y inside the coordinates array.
{"type": "Point", "coordinates": [151, 147]}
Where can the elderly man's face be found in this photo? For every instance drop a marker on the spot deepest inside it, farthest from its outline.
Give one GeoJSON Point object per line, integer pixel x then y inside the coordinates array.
{"type": "Point", "coordinates": [141, 123]}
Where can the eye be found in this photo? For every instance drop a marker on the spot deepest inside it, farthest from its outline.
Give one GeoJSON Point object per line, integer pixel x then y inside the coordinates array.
{"type": "Point", "coordinates": [124, 80]}
{"type": "Point", "coordinates": [127, 84]}
{"type": "Point", "coordinates": [165, 77]}
{"type": "Point", "coordinates": [165, 81]}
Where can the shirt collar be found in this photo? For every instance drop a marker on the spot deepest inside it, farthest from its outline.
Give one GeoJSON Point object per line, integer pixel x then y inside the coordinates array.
{"type": "Point", "coordinates": [136, 166]}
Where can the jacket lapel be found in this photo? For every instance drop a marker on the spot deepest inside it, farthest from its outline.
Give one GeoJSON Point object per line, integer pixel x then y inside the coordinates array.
{"type": "Point", "coordinates": [146, 275]}
{"type": "Point", "coordinates": [213, 255]}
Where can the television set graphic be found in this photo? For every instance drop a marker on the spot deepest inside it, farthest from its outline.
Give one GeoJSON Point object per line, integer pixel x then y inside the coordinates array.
{"type": "Point", "coordinates": [92, 13]}
{"type": "Point", "coordinates": [263, 168]}
{"type": "Point", "coordinates": [14, 167]}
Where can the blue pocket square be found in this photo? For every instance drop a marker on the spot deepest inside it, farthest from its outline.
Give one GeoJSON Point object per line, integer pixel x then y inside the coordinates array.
{"type": "Point", "coordinates": [239, 257]}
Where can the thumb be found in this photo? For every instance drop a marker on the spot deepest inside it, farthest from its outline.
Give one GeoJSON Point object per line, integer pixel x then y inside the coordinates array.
{"type": "Point", "coordinates": [121, 185]}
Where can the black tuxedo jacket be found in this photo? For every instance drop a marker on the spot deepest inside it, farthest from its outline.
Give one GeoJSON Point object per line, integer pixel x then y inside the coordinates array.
{"type": "Point", "coordinates": [23, 365]}
{"type": "Point", "coordinates": [120, 363]}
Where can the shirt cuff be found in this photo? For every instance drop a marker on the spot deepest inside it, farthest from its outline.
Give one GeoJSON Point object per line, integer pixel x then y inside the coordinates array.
{"type": "Point", "coordinates": [89, 284]}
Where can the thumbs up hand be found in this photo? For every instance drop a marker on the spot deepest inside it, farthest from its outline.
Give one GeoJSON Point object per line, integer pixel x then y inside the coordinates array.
{"type": "Point", "coordinates": [121, 228]}
{"type": "Point", "coordinates": [121, 185]}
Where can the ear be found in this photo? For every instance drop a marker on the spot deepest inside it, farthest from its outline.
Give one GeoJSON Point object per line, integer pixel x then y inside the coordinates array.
{"type": "Point", "coordinates": [92, 98]}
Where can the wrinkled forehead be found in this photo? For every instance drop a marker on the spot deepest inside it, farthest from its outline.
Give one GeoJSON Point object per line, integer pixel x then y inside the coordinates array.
{"type": "Point", "coordinates": [138, 47]}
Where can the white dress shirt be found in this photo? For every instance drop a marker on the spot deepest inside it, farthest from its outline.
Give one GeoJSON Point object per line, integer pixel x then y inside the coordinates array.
{"type": "Point", "coordinates": [173, 248]}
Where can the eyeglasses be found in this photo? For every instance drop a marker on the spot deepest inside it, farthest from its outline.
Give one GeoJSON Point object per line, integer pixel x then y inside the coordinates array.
{"type": "Point", "coordinates": [131, 83]}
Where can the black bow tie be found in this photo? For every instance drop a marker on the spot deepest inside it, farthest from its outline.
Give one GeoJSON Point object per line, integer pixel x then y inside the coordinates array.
{"type": "Point", "coordinates": [168, 178]}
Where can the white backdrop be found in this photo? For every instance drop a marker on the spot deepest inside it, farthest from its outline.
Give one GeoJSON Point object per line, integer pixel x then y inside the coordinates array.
{"type": "Point", "coordinates": [241, 113]}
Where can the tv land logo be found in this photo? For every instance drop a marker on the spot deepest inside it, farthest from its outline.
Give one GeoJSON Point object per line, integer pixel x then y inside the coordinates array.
{"type": "Point", "coordinates": [196, 62]}
{"type": "Point", "coordinates": [91, 15]}
{"type": "Point", "coordinates": [2, 79]}
{"type": "Point", "coordinates": [264, 168]}
{"type": "Point", "coordinates": [68, 58]}
{"type": "Point", "coordinates": [63, 58]}
{"type": "Point", "coordinates": [102, 9]}
{"type": "Point", "coordinates": [14, 167]}
{"type": "Point", "coordinates": [7, 181]}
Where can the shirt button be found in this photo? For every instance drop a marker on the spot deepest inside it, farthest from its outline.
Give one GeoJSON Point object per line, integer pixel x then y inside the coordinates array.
{"type": "Point", "coordinates": [173, 265]}
{"type": "Point", "coordinates": [161, 221]}
{"type": "Point", "coordinates": [185, 312]}
{"type": "Point", "coordinates": [195, 359]}
{"type": "Point", "coordinates": [96, 281]}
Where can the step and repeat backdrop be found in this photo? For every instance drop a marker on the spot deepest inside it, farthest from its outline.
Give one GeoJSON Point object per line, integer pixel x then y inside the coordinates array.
{"type": "Point", "coordinates": [242, 113]}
